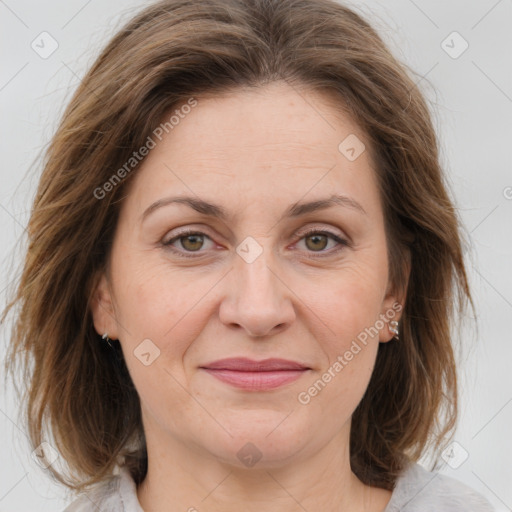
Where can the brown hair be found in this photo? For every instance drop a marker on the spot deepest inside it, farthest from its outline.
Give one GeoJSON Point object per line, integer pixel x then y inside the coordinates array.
{"type": "Point", "coordinates": [174, 50]}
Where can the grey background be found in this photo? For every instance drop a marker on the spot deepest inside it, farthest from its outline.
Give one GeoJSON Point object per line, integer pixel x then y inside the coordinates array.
{"type": "Point", "coordinates": [472, 99]}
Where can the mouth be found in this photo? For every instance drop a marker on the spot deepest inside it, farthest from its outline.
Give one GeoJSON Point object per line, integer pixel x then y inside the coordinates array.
{"type": "Point", "coordinates": [253, 375]}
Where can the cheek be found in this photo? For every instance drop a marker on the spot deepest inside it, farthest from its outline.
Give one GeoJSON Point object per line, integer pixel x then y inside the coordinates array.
{"type": "Point", "coordinates": [350, 347]}
{"type": "Point", "coordinates": [350, 304]}
{"type": "Point", "coordinates": [170, 309]}
{"type": "Point", "coordinates": [349, 381]}
{"type": "Point", "coordinates": [163, 305]}
{"type": "Point", "coordinates": [350, 311]}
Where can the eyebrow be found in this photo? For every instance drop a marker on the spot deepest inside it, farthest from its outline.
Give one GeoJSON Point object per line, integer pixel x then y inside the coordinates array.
{"type": "Point", "coordinates": [295, 210]}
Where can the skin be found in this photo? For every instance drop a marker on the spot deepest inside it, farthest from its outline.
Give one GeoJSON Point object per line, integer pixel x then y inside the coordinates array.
{"type": "Point", "coordinates": [254, 152]}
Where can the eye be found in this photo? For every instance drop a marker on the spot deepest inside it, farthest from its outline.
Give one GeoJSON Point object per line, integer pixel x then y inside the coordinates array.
{"type": "Point", "coordinates": [315, 240]}
{"type": "Point", "coordinates": [190, 241]}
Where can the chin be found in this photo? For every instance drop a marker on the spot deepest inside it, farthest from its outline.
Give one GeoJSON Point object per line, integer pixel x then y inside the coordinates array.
{"type": "Point", "coordinates": [260, 440]}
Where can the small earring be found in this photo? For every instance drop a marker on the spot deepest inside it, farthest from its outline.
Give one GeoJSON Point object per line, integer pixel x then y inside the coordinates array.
{"type": "Point", "coordinates": [107, 339]}
{"type": "Point", "coordinates": [393, 327]}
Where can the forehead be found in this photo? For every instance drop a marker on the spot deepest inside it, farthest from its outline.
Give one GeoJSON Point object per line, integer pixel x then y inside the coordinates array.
{"type": "Point", "coordinates": [274, 143]}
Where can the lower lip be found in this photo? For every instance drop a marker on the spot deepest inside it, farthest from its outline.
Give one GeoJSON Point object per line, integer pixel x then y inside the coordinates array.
{"type": "Point", "coordinates": [256, 381]}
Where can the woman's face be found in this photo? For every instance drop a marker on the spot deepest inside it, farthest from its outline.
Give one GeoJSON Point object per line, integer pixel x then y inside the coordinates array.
{"type": "Point", "coordinates": [263, 277]}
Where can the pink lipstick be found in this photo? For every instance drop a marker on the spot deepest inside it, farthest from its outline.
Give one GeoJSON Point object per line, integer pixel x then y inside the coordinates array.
{"type": "Point", "coordinates": [253, 375]}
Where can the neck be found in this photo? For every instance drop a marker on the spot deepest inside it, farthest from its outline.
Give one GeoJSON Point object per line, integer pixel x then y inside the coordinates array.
{"type": "Point", "coordinates": [185, 477]}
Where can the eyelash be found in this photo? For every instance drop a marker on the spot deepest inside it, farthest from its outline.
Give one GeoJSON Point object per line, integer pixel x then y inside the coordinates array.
{"type": "Point", "coordinates": [190, 254]}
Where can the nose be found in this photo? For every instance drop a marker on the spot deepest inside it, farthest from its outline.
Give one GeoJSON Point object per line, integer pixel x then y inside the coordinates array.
{"type": "Point", "coordinates": [257, 299]}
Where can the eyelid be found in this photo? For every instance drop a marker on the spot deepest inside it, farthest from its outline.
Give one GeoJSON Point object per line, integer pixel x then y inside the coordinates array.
{"type": "Point", "coordinates": [318, 229]}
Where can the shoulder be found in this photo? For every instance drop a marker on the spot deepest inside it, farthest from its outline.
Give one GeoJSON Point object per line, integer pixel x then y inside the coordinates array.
{"type": "Point", "coordinates": [117, 494]}
{"type": "Point", "coordinates": [419, 490]}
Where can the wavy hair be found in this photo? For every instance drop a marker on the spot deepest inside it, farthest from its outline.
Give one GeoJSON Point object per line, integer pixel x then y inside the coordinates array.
{"type": "Point", "coordinates": [80, 392]}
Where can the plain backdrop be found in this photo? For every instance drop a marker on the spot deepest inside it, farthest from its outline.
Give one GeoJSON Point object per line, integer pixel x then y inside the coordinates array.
{"type": "Point", "coordinates": [461, 54]}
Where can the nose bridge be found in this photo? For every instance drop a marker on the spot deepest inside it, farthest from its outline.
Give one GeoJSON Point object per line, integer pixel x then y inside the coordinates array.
{"type": "Point", "coordinates": [254, 272]}
{"type": "Point", "coordinates": [257, 299]}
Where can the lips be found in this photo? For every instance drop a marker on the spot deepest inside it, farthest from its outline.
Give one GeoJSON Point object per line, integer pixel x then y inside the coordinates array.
{"type": "Point", "coordinates": [243, 364]}
{"type": "Point", "coordinates": [253, 375]}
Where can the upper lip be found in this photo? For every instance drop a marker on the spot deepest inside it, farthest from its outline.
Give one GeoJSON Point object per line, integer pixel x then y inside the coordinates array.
{"type": "Point", "coordinates": [243, 364]}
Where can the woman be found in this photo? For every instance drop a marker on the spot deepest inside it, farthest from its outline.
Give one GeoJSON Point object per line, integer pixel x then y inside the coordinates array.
{"type": "Point", "coordinates": [242, 263]}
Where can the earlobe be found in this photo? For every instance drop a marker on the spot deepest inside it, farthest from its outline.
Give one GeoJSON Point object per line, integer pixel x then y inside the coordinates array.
{"type": "Point", "coordinates": [392, 311]}
{"type": "Point", "coordinates": [393, 304]}
{"type": "Point", "coordinates": [390, 317]}
{"type": "Point", "coordinates": [102, 309]}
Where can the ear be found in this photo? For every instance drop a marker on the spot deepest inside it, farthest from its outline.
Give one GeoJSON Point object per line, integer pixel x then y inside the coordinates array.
{"type": "Point", "coordinates": [102, 309]}
{"type": "Point", "coordinates": [393, 304]}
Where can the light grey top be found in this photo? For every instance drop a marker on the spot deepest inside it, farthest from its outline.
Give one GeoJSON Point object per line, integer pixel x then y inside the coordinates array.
{"type": "Point", "coordinates": [417, 490]}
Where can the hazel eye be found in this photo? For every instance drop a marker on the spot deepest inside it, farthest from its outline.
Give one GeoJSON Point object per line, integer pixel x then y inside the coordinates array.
{"type": "Point", "coordinates": [191, 244]}
{"type": "Point", "coordinates": [190, 241]}
{"type": "Point", "coordinates": [316, 241]}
